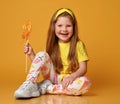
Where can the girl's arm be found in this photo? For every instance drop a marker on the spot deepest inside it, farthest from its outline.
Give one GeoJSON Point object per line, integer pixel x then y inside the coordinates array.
{"type": "Point", "coordinates": [29, 51]}
{"type": "Point", "coordinates": [32, 56]}
{"type": "Point", "coordinates": [80, 72]}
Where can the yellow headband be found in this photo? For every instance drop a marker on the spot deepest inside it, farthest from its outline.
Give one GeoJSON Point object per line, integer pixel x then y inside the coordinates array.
{"type": "Point", "coordinates": [62, 11]}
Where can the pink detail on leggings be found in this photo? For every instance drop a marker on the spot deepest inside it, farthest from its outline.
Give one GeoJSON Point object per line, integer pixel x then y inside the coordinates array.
{"type": "Point", "coordinates": [58, 87]}
{"type": "Point", "coordinates": [36, 61]}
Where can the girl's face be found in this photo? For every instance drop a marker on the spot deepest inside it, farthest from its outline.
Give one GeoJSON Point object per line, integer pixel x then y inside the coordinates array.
{"type": "Point", "coordinates": [64, 29]}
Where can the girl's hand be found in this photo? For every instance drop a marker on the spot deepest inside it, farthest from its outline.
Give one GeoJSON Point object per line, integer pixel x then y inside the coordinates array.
{"type": "Point", "coordinates": [29, 51]}
{"type": "Point", "coordinates": [80, 72]}
{"type": "Point", "coordinates": [67, 80]}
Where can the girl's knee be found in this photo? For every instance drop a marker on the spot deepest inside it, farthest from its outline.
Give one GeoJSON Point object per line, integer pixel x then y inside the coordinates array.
{"type": "Point", "coordinates": [80, 82]}
{"type": "Point", "coordinates": [43, 55]}
{"type": "Point", "coordinates": [84, 79]}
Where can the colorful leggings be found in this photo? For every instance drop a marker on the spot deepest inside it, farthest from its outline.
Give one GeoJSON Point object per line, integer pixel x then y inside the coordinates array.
{"type": "Point", "coordinates": [43, 65]}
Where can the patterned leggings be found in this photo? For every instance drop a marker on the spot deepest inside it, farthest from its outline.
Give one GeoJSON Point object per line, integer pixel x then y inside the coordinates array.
{"type": "Point", "coordinates": [43, 65]}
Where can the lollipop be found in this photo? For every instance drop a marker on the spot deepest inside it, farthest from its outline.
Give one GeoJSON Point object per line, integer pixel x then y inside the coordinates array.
{"type": "Point", "coordinates": [26, 33]}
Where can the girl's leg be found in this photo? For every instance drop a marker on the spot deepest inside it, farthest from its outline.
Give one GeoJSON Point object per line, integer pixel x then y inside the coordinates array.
{"type": "Point", "coordinates": [78, 87]}
{"type": "Point", "coordinates": [41, 64]}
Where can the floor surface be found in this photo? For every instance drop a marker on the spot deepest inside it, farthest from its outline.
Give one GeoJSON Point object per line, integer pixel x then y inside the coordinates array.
{"type": "Point", "coordinates": [106, 94]}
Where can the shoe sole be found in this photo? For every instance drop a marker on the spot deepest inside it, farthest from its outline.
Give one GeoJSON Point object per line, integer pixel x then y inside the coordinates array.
{"type": "Point", "coordinates": [34, 94]}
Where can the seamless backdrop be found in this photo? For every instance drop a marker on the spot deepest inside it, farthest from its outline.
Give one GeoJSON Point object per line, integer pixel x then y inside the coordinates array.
{"type": "Point", "coordinates": [99, 28]}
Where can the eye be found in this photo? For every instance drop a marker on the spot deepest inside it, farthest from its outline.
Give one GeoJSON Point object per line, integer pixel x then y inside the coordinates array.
{"type": "Point", "coordinates": [59, 25]}
{"type": "Point", "coordinates": [69, 25]}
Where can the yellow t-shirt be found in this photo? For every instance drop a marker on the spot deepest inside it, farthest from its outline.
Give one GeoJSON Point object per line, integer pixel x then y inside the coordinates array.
{"type": "Point", "coordinates": [64, 50]}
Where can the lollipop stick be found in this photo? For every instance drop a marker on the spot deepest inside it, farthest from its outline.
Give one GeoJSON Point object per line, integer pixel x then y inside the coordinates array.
{"type": "Point", "coordinates": [26, 59]}
{"type": "Point", "coordinates": [26, 63]}
{"type": "Point", "coordinates": [25, 36]}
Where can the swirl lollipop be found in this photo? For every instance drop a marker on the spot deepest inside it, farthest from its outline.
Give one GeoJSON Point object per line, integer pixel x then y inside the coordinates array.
{"type": "Point", "coordinates": [26, 33]}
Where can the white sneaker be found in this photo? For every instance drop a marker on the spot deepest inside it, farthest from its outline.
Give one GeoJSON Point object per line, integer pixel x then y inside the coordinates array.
{"type": "Point", "coordinates": [42, 86]}
{"type": "Point", "coordinates": [26, 90]}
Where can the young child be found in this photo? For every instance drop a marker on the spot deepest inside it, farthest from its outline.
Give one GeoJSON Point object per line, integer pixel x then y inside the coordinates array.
{"type": "Point", "coordinates": [64, 63]}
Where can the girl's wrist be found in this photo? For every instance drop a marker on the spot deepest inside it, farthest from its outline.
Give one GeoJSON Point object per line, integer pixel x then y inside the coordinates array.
{"type": "Point", "coordinates": [32, 55]}
{"type": "Point", "coordinates": [74, 75]}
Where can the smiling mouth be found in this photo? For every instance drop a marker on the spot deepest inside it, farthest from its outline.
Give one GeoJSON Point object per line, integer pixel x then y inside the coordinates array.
{"type": "Point", "coordinates": [64, 33]}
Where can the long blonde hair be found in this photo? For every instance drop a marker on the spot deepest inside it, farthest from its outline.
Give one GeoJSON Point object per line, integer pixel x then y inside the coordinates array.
{"type": "Point", "coordinates": [52, 47]}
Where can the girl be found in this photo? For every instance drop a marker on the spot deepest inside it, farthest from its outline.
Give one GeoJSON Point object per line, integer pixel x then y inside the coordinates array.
{"type": "Point", "coordinates": [64, 63]}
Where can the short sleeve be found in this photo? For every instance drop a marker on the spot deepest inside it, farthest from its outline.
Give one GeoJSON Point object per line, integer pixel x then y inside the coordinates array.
{"type": "Point", "coordinates": [81, 52]}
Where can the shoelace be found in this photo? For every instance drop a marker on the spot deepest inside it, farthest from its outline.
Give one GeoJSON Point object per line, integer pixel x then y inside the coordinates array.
{"type": "Point", "coordinates": [26, 85]}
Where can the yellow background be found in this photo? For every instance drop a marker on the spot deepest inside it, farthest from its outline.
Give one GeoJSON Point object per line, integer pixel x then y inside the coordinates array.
{"type": "Point", "coordinates": [99, 28]}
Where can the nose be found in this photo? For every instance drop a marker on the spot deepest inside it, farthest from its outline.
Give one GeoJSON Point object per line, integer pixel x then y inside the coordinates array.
{"type": "Point", "coordinates": [64, 28]}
